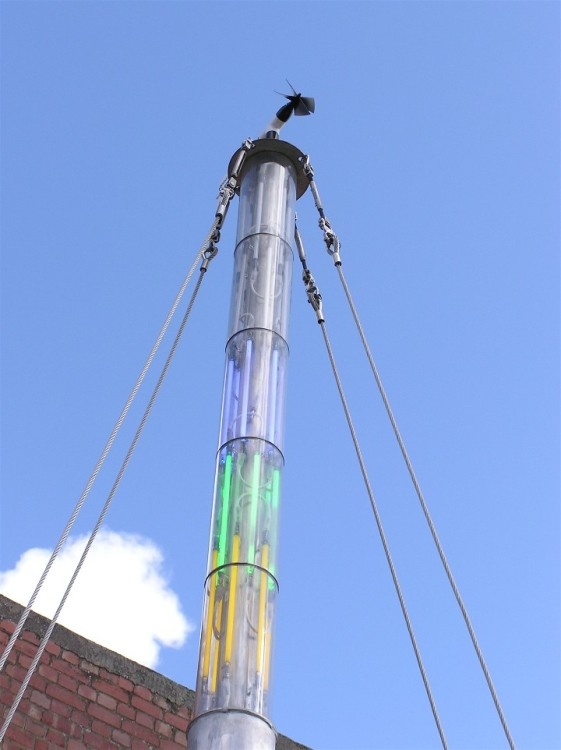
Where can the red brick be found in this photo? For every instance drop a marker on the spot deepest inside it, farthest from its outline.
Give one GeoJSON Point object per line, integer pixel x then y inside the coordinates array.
{"type": "Point", "coordinates": [125, 684]}
{"type": "Point", "coordinates": [143, 692]}
{"type": "Point", "coordinates": [184, 711]}
{"type": "Point", "coordinates": [161, 702]}
{"type": "Point", "coordinates": [64, 667]}
{"type": "Point", "coordinates": [13, 656]}
{"type": "Point", "coordinates": [95, 741]}
{"type": "Point", "coordinates": [109, 717]}
{"type": "Point", "coordinates": [170, 745]}
{"type": "Point", "coordinates": [30, 649]}
{"type": "Point", "coordinates": [142, 733]}
{"type": "Point", "coordinates": [48, 672]}
{"type": "Point", "coordinates": [164, 729]}
{"type": "Point", "coordinates": [35, 728]}
{"type": "Point", "coordinates": [121, 738]}
{"type": "Point", "coordinates": [148, 708]}
{"type": "Point", "coordinates": [144, 720]}
{"type": "Point", "coordinates": [58, 707]}
{"type": "Point", "coordinates": [65, 696]}
{"type": "Point", "coordinates": [38, 682]}
{"type": "Point", "coordinates": [57, 722]}
{"type": "Point", "coordinates": [109, 676]}
{"type": "Point", "coordinates": [116, 692]}
{"type": "Point", "coordinates": [56, 738]}
{"type": "Point", "coordinates": [16, 672]}
{"type": "Point", "coordinates": [81, 718]}
{"type": "Point", "coordinates": [127, 711]}
{"type": "Point", "coordinates": [88, 667]}
{"type": "Point", "coordinates": [101, 728]}
{"type": "Point", "coordinates": [179, 722]}
{"type": "Point", "coordinates": [52, 648]}
{"type": "Point", "coordinates": [34, 712]}
{"type": "Point", "coordinates": [40, 699]}
{"type": "Point", "coordinates": [181, 738]}
{"type": "Point", "coordinates": [75, 745]}
{"type": "Point", "coordinates": [107, 700]}
{"type": "Point", "coordinates": [18, 719]}
{"type": "Point", "coordinates": [7, 697]}
{"type": "Point", "coordinates": [71, 657]}
{"type": "Point", "coordinates": [29, 635]}
{"type": "Point", "coordinates": [25, 661]}
{"type": "Point", "coordinates": [15, 733]}
{"type": "Point", "coordinates": [87, 692]}
{"type": "Point", "coordinates": [68, 682]}
{"type": "Point", "coordinates": [76, 729]}
{"type": "Point", "coordinates": [7, 626]}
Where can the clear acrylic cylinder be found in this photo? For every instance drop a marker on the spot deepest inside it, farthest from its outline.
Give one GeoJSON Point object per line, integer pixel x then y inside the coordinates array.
{"type": "Point", "coordinates": [241, 585]}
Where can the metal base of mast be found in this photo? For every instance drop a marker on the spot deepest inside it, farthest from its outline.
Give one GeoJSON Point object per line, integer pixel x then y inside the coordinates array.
{"type": "Point", "coordinates": [231, 730]}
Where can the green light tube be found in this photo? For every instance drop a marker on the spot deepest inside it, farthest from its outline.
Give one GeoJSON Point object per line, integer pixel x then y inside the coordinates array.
{"type": "Point", "coordinates": [254, 505]}
{"type": "Point", "coordinates": [225, 510]}
{"type": "Point", "coordinates": [276, 483]}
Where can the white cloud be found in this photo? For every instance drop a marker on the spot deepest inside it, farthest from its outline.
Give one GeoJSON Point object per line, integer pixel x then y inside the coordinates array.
{"type": "Point", "coordinates": [121, 598]}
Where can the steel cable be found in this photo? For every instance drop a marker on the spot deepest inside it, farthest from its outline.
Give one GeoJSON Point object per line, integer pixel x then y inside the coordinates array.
{"type": "Point", "coordinates": [316, 302]}
{"type": "Point", "coordinates": [333, 246]}
{"type": "Point", "coordinates": [425, 509]}
{"type": "Point", "coordinates": [383, 538]}
{"type": "Point", "coordinates": [104, 511]}
{"type": "Point", "coordinates": [106, 449]}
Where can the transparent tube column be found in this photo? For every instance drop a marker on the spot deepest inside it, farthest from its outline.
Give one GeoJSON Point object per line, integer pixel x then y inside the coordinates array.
{"type": "Point", "coordinates": [241, 585]}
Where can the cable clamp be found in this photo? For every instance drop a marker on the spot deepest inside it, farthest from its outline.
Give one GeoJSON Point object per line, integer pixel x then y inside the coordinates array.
{"type": "Point", "coordinates": [314, 297]}
{"type": "Point", "coordinates": [331, 241]}
{"type": "Point", "coordinates": [211, 250]}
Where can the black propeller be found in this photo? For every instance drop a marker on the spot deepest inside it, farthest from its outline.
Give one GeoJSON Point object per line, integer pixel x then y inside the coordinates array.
{"type": "Point", "coordinates": [297, 104]}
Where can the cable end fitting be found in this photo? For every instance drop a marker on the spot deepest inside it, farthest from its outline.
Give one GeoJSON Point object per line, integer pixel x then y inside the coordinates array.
{"type": "Point", "coordinates": [314, 297]}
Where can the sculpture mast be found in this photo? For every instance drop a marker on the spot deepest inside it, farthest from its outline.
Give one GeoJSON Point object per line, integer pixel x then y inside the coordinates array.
{"type": "Point", "coordinates": [233, 681]}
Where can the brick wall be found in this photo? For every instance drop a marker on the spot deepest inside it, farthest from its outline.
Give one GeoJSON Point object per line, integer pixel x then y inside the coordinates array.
{"type": "Point", "coordinates": [85, 696]}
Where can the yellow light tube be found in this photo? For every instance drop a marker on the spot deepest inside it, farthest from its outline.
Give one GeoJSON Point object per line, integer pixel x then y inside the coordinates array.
{"type": "Point", "coordinates": [262, 606]}
{"type": "Point", "coordinates": [214, 674]}
{"type": "Point", "coordinates": [210, 617]}
{"type": "Point", "coordinates": [232, 600]}
{"type": "Point", "coordinates": [267, 660]}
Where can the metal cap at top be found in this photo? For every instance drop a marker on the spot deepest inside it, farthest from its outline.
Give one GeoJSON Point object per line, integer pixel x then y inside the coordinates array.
{"type": "Point", "coordinates": [274, 146]}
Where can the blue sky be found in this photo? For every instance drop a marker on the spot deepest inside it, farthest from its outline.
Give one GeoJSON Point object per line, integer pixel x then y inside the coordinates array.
{"type": "Point", "coordinates": [435, 145]}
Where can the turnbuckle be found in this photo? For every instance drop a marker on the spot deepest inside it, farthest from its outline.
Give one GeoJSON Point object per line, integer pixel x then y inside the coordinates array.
{"type": "Point", "coordinates": [211, 251]}
{"type": "Point", "coordinates": [227, 192]}
{"type": "Point", "coordinates": [314, 297]}
{"type": "Point", "coordinates": [329, 237]}
{"type": "Point", "coordinates": [331, 240]}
